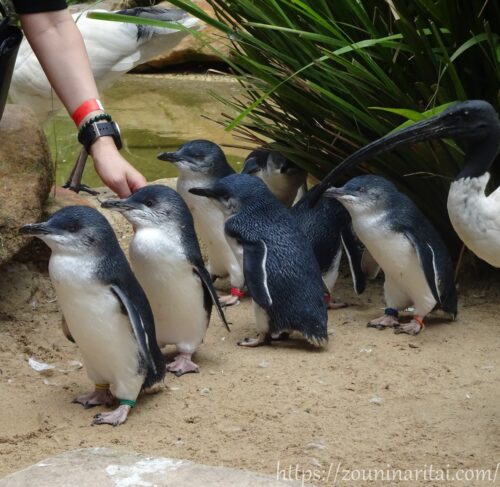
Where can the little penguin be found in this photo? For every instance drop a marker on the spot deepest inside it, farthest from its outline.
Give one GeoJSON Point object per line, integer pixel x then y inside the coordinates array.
{"type": "Point", "coordinates": [166, 258]}
{"type": "Point", "coordinates": [417, 267]}
{"type": "Point", "coordinates": [106, 311]}
{"type": "Point", "coordinates": [328, 227]}
{"type": "Point", "coordinates": [286, 180]}
{"type": "Point", "coordinates": [281, 271]}
{"type": "Point", "coordinates": [201, 164]}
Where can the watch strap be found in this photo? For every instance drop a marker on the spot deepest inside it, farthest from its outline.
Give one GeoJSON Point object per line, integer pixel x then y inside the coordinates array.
{"type": "Point", "coordinates": [91, 132]}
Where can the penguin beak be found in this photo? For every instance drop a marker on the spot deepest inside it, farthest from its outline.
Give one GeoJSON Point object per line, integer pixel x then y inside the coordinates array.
{"type": "Point", "coordinates": [206, 192]}
{"type": "Point", "coordinates": [35, 229]}
{"type": "Point", "coordinates": [172, 157]}
{"type": "Point", "coordinates": [437, 127]}
{"type": "Point", "coordinates": [118, 205]}
{"type": "Point", "coordinates": [337, 193]}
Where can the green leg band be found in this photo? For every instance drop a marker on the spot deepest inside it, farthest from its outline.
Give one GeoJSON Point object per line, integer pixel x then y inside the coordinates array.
{"type": "Point", "coordinates": [127, 402]}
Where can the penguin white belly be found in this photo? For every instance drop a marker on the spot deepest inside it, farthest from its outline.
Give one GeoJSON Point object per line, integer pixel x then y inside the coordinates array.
{"type": "Point", "coordinates": [209, 223]}
{"type": "Point", "coordinates": [398, 259]}
{"type": "Point", "coordinates": [475, 217]}
{"type": "Point", "coordinates": [174, 292]}
{"type": "Point", "coordinates": [95, 320]}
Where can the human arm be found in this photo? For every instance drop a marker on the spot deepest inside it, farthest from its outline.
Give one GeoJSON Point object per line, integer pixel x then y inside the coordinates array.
{"type": "Point", "coordinates": [59, 47]}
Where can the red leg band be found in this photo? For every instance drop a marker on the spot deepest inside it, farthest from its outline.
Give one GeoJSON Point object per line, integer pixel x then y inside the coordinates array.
{"type": "Point", "coordinates": [237, 292]}
{"type": "Point", "coordinates": [420, 321]}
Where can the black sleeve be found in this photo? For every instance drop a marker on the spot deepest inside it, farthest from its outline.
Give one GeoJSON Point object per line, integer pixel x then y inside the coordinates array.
{"type": "Point", "coordinates": [36, 6]}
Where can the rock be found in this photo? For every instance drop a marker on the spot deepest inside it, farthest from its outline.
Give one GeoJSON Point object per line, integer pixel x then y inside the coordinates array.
{"type": "Point", "coordinates": [25, 176]}
{"type": "Point", "coordinates": [192, 49]}
{"type": "Point", "coordinates": [109, 468]}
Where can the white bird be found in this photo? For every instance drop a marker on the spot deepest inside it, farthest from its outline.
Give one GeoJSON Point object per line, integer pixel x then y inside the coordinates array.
{"type": "Point", "coordinates": [475, 125]}
{"type": "Point", "coordinates": [114, 48]}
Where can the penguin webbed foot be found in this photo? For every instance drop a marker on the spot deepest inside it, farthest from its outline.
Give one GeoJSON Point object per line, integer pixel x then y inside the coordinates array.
{"type": "Point", "coordinates": [99, 397]}
{"type": "Point", "coordinates": [182, 364]}
{"type": "Point", "coordinates": [261, 339]}
{"type": "Point", "coordinates": [114, 418]}
{"type": "Point", "coordinates": [332, 304]}
{"type": "Point", "coordinates": [414, 327]}
{"type": "Point", "coordinates": [385, 321]}
{"type": "Point", "coordinates": [228, 300]}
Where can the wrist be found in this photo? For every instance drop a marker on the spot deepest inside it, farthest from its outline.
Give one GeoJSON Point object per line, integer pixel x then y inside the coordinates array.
{"type": "Point", "coordinates": [99, 128]}
{"type": "Point", "coordinates": [102, 145]}
{"type": "Point", "coordinates": [85, 109]}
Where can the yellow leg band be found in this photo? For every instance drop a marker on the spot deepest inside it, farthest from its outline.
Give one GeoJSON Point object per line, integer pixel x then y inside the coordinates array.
{"type": "Point", "coordinates": [102, 387]}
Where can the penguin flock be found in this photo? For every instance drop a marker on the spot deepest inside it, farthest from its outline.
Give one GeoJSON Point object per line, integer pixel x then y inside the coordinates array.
{"type": "Point", "coordinates": [275, 240]}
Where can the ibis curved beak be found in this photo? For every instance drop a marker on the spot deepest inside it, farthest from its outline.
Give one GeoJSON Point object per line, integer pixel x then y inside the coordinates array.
{"type": "Point", "coordinates": [207, 192]}
{"type": "Point", "coordinates": [437, 127]}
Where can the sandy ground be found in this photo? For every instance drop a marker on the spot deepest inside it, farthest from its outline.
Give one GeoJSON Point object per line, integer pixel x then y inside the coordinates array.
{"type": "Point", "coordinates": [372, 399]}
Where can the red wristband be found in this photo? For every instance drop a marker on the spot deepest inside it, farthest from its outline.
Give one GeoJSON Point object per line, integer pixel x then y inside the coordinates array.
{"type": "Point", "coordinates": [84, 109]}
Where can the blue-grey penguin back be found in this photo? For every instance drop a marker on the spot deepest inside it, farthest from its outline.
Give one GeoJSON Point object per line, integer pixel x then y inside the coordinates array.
{"type": "Point", "coordinates": [113, 270]}
{"type": "Point", "coordinates": [292, 271]}
{"type": "Point", "coordinates": [328, 227]}
{"type": "Point", "coordinates": [404, 217]}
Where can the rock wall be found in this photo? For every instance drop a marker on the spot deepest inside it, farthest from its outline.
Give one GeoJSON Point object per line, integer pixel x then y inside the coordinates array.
{"type": "Point", "coordinates": [26, 176]}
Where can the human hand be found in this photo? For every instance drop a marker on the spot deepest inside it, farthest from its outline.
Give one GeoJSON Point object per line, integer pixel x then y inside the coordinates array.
{"type": "Point", "coordinates": [113, 169]}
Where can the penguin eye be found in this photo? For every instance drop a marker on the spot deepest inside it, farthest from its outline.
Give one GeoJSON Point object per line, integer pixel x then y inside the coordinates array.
{"type": "Point", "coordinates": [72, 227]}
{"type": "Point", "coordinates": [149, 203]}
{"type": "Point", "coordinates": [362, 189]}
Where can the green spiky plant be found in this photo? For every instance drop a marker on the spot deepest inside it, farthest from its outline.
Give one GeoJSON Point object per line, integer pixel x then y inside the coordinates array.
{"type": "Point", "coordinates": [325, 77]}
{"type": "Point", "coordinates": [324, 66]}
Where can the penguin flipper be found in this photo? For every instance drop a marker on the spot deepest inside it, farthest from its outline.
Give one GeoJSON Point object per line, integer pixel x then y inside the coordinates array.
{"type": "Point", "coordinates": [354, 257]}
{"type": "Point", "coordinates": [208, 287]}
{"type": "Point", "coordinates": [427, 260]}
{"type": "Point", "coordinates": [137, 326]}
{"type": "Point", "coordinates": [65, 329]}
{"type": "Point", "coordinates": [254, 269]}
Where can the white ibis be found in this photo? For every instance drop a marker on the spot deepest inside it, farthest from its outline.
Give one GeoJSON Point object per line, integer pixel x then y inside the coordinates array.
{"type": "Point", "coordinates": [114, 48]}
{"type": "Point", "coordinates": [475, 125]}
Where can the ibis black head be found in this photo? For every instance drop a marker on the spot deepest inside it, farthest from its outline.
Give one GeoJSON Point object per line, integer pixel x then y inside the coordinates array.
{"type": "Point", "coordinates": [199, 157]}
{"type": "Point", "coordinates": [473, 123]}
{"type": "Point", "coordinates": [151, 206]}
{"type": "Point", "coordinates": [74, 229]}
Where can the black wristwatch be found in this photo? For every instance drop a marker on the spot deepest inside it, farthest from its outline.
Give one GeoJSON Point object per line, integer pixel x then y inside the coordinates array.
{"type": "Point", "coordinates": [91, 132]}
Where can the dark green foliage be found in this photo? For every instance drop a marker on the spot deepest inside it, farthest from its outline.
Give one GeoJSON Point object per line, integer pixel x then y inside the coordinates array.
{"type": "Point", "coordinates": [315, 71]}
